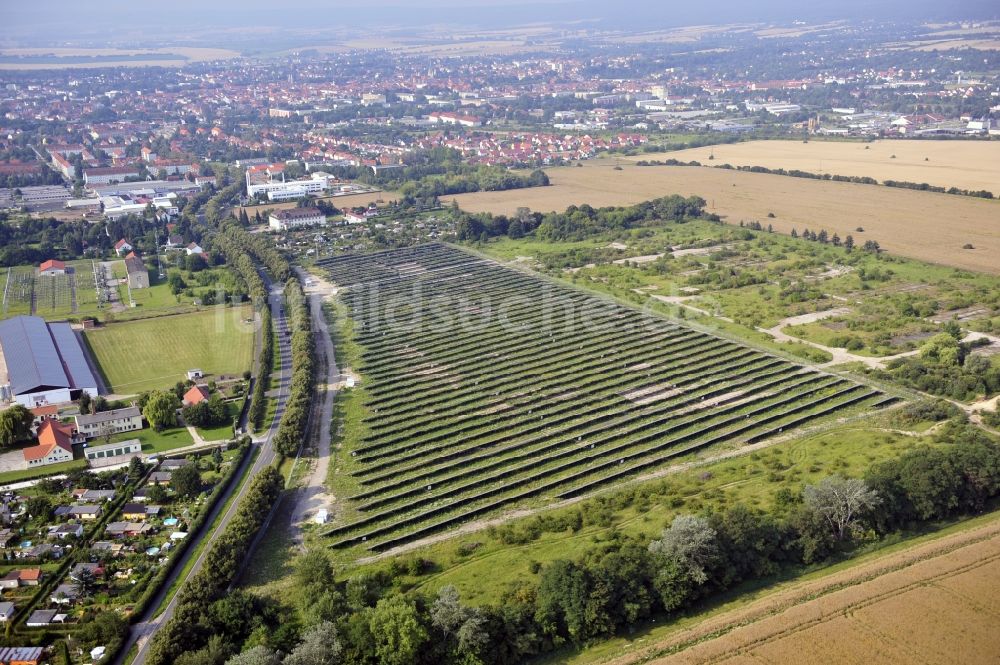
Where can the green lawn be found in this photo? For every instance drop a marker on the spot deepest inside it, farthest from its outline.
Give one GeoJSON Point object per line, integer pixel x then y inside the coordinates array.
{"type": "Point", "coordinates": [155, 353]}
{"type": "Point", "coordinates": [157, 442]}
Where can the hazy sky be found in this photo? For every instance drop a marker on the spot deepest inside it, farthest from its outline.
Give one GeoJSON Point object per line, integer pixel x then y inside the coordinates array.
{"type": "Point", "coordinates": [172, 19]}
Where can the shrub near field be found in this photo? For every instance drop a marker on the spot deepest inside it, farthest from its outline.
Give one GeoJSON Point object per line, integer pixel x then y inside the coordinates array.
{"type": "Point", "coordinates": [488, 388]}
{"type": "Point", "coordinates": [156, 353]}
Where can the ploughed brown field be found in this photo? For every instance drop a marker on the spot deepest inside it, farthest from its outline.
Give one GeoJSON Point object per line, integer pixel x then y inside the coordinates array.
{"type": "Point", "coordinates": [970, 165]}
{"type": "Point", "coordinates": [922, 225]}
{"type": "Point", "coordinates": [938, 602]}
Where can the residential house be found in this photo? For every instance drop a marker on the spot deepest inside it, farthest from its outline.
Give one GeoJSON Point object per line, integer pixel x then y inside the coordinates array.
{"type": "Point", "coordinates": [173, 463]}
{"type": "Point", "coordinates": [43, 413]}
{"type": "Point", "coordinates": [55, 445]}
{"type": "Point", "coordinates": [116, 421]}
{"type": "Point", "coordinates": [123, 247]}
{"type": "Point", "coordinates": [194, 248]}
{"type": "Point", "coordinates": [6, 611]}
{"type": "Point", "coordinates": [159, 478]}
{"type": "Point", "coordinates": [42, 618]}
{"type": "Point", "coordinates": [196, 395]}
{"type": "Point", "coordinates": [134, 512]}
{"type": "Point", "coordinates": [88, 496]}
{"type": "Point", "coordinates": [65, 530]}
{"type": "Point", "coordinates": [23, 577]}
{"type": "Point", "coordinates": [6, 538]}
{"type": "Point", "coordinates": [114, 549]}
{"type": "Point", "coordinates": [86, 512]}
{"type": "Point", "coordinates": [95, 570]}
{"type": "Point", "coordinates": [65, 594]}
{"type": "Point", "coordinates": [127, 529]}
{"type": "Point", "coordinates": [174, 241]}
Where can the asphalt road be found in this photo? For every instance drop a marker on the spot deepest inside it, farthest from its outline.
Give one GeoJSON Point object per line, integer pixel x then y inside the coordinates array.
{"type": "Point", "coordinates": [142, 632]}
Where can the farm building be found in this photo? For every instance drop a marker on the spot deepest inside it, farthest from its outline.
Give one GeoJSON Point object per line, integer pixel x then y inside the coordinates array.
{"type": "Point", "coordinates": [138, 276]}
{"type": "Point", "coordinates": [128, 419]}
{"type": "Point", "coordinates": [55, 445]}
{"type": "Point", "coordinates": [52, 267]}
{"type": "Point", "coordinates": [42, 363]}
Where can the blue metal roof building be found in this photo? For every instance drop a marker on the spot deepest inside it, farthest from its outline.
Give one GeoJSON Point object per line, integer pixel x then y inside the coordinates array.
{"type": "Point", "coordinates": [45, 363]}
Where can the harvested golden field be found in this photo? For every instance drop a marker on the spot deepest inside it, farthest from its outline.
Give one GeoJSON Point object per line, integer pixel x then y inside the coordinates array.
{"type": "Point", "coordinates": [922, 225]}
{"type": "Point", "coordinates": [964, 164]}
{"type": "Point", "coordinates": [932, 603]}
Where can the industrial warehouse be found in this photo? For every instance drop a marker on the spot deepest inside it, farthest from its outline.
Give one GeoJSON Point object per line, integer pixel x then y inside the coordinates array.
{"type": "Point", "coordinates": [42, 363]}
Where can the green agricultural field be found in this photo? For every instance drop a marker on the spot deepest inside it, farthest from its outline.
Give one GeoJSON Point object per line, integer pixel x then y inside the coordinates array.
{"type": "Point", "coordinates": [155, 353]}
{"type": "Point", "coordinates": [487, 389]}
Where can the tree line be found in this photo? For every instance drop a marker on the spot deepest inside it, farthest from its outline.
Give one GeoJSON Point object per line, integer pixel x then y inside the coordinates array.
{"type": "Point", "coordinates": [864, 180]}
{"type": "Point", "coordinates": [578, 222]}
{"type": "Point", "coordinates": [265, 362]}
{"type": "Point", "coordinates": [292, 428]}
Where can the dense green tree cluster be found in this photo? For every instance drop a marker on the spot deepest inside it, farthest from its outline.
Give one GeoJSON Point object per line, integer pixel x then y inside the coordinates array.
{"type": "Point", "coordinates": [578, 222]}
{"type": "Point", "coordinates": [15, 425]}
{"type": "Point", "coordinates": [293, 422]}
{"type": "Point", "coordinates": [479, 179]}
{"type": "Point", "coordinates": [209, 413]}
{"type": "Point", "coordinates": [947, 367]}
{"type": "Point", "coordinates": [160, 408]}
{"type": "Point", "coordinates": [241, 241]}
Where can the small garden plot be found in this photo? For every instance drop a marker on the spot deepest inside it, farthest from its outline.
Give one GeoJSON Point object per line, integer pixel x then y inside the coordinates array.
{"type": "Point", "coordinates": [497, 430]}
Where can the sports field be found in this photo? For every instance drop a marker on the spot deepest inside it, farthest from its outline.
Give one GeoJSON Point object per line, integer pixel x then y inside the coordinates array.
{"type": "Point", "coordinates": [156, 353]}
{"type": "Point", "coordinates": [923, 225]}
{"type": "Point", "coordinates": [972, 165]}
